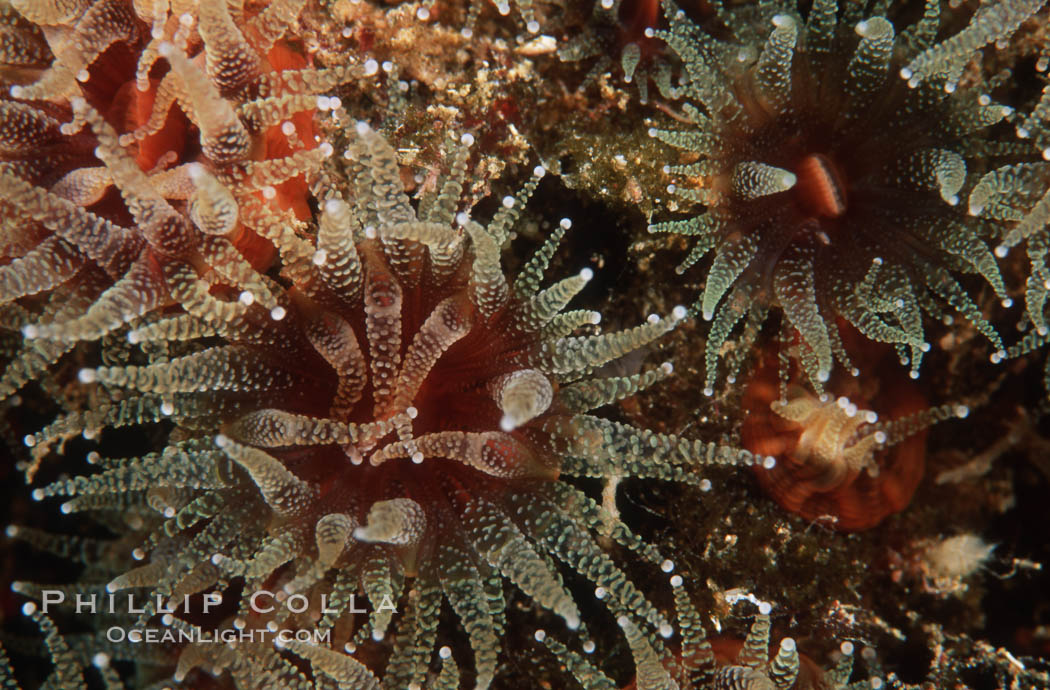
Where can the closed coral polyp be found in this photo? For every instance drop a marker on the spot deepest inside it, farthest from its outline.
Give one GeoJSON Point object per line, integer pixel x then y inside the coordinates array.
{"type": "Point", "coordinates": [852, 456]}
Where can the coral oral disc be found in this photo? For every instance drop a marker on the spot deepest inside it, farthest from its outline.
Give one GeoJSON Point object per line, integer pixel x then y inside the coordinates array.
{"type": "Point", "coordinates": [820, 189]}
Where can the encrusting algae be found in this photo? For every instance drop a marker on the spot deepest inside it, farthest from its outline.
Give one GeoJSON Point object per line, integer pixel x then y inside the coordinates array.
{"type": "Point", "coordinates": [342, 431]}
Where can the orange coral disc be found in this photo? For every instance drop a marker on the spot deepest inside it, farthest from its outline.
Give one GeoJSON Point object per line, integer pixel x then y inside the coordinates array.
{"type": "Point", "coordinates": [820, 187]}
{"type": "Point", "coordinates": [291, 194]}
{"type": "Point", "coordinates": [138, 105]}
{"type": "Point", "coordinates": [828, 464]}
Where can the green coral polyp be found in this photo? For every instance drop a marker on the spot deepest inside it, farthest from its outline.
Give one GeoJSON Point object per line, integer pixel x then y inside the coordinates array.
{"type": "Point", "coordinates": [833, 154]}
{"type": "Point", "coordinates": [389, 419]}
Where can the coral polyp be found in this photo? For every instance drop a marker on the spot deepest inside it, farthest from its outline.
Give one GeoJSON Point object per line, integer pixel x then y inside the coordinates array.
{"type": "Point", "coordinates": [323, 361]}
{"type": "Point", "coordinates": [831, 186]}
{"type": "Point", "coordinates": [624, 29]}
{"type": "Point", "coordinates": [390, 418]}
{"type": "Point", "coordinates": [175, 225]}
{"type": "Point", "coordinates": [850, 457]}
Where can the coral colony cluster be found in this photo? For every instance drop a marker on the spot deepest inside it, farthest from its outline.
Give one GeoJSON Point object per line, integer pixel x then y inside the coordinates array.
{"type": "Point", "coordinates": [308, 378]}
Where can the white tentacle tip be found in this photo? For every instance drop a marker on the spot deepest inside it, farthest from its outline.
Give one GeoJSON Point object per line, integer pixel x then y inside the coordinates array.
{"type": "Point", "coordinates": [195, 171]}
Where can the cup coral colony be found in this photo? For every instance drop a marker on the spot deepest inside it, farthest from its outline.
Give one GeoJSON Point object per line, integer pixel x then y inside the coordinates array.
{"type": "Point", "coordinates": [309, 381]}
